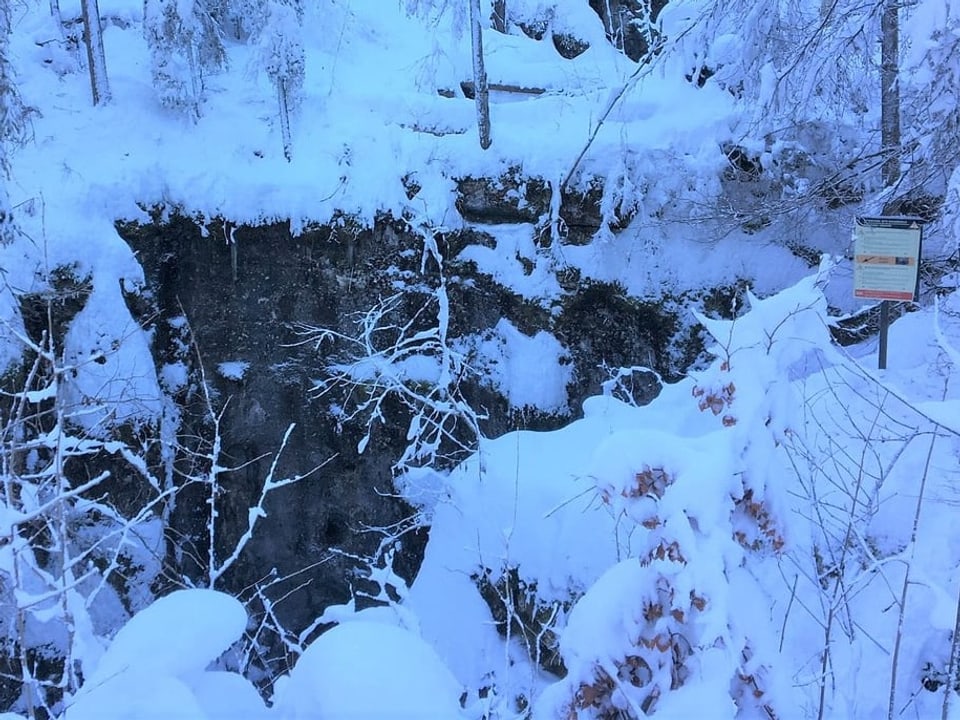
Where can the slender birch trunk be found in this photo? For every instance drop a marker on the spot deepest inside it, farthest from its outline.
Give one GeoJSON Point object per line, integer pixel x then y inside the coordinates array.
{"type": "Point", "coordinates": [96, 61]}
{"type": "Point", "coordinates": [480, 76]}
{"type": "Point", "coordinates": [284, 109]}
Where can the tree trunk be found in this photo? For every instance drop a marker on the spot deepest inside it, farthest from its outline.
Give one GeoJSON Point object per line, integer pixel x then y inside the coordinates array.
{"type": "Point", "coordinates": [890, 93]}
{"type": "Point", "coordinates": [196, 80]}
{"type": "Point", "coordinates": [96, 60]}
{"type": "Point", "coordinates": [480, 76]}
{"type": "Point", "coordinates": [284, 119]}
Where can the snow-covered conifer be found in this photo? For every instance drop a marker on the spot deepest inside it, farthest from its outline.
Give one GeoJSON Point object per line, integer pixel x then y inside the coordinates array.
{"type": "Point", "coordinates": [931, 96]}
{"type": "Point", "coordinates": [184, 43]}
{"type": "Point", "coordinates": [281, 46]}
{"type": "Point", "coordinates": [242, 19]}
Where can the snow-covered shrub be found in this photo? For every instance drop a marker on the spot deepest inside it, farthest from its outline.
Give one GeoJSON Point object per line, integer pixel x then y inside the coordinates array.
{"type": "Point", "coordinates": [673, 628]}
{"type": "Point", "coordinates": [284, 61]}
{"type": "Point", "coordinates": [770, 537]}
{"type": "Point", "coordinates": [656, 519]}
{"type": "Point", "coordinates": [368, 670]}
{"type": "Point", "coordinates": [184, 43]}
{"type": "Point", "coordinates": [75, 560]}
{"type": "Point", "coordinates": [157, 665]}
{"type": "Point", "coordinates": [871, 469]}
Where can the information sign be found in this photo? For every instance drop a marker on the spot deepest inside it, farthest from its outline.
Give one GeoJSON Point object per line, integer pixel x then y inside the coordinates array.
{"type": "Point", "coordinates": [886, 258]}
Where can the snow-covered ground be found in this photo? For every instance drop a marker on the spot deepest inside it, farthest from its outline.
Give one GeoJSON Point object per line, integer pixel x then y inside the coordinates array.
{"type": "Point", "coordinates": [771, 537]}
{"type": "Point", "coordinates": [371, 115]}
{"type": "Point", "coordinates": [695, 557]}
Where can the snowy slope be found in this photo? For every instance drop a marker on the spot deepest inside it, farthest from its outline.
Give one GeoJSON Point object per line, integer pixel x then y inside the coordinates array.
{"type": "Point", "coordinates": [371, 115]}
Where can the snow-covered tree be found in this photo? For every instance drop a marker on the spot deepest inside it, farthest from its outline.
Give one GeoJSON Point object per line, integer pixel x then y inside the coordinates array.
{"type": "Point", "coordinates": [283, 59]}
{"type": "Point", "coordinates": [68, 543]}
{"type": "Point", "coordinates": [185, 43]}
{"type": "Point", "coordinates": [805, 83]}
{"type": "Point", "coordinates": [241, 19]}
{"type": "Point", "coordinates": [12, 119]}
{"type": "Point", "coordinates": [96, 61]}
{"type": "Point", "coordinates": [890, 92]}
{"type": "Point", "coordinates": [827, 84]}
{"type": "Point", "coordinates": [476, 23]}
{"type": "Point", "coordinates": [482, 90]}
{"type": "Point", "coordinates": [930, 98]}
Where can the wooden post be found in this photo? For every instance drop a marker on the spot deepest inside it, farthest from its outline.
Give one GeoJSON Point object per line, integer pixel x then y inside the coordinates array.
{"type": "Point", "coordinates": [884, 327]}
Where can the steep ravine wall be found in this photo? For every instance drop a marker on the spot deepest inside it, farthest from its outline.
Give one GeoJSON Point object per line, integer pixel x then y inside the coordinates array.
{"type": "Point", "coordinates": [243, 290]}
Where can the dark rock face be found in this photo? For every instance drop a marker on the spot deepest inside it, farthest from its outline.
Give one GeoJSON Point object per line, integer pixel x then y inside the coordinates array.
{"type": "Point", "coordinates": [622, 19]}
{"type": "Point", "coordinates": [511, 198]}
{"type": "Point", "coordinates": [516, 198]}
{"type": "Point", "coordinates": [623, 332]}
{"type": "Point", "coordinates": [229, 297]}
{"type": "Point", "coordinates": [241, 301]}
{"type": "Point", "coordinates": [625, 23]}
{"type": "Point", "coordinates": [52, 311]}
{"type": "Point", "coordinates": [569, 46]}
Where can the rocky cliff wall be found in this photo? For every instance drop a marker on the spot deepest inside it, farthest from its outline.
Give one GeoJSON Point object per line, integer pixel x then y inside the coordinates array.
{"type": "Point", "coordinates": [224, 302]}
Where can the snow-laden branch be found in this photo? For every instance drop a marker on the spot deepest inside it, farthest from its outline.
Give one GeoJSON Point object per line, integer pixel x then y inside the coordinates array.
{"type": "Point", "coordinates": [256, 512]}
{"type": "Point", "coordinates": [408, 360]}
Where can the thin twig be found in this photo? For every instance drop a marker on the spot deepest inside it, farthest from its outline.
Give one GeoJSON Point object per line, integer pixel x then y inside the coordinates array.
{"type": "Point", "coordinates": [906, 582]}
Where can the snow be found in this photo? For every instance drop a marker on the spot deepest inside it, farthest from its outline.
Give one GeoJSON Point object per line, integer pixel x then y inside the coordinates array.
{"type": "Point", "coordinates": [11, 327]}
{"type": "Point", "coordinates": [355, 140]}
{"type": "Point", "coordinates": [150, 666]}
{"type": "Point", "coordinates": [179, 634]}
{"type": "Point", "coordinates": [562, 509]}
{"type": "Point", "coordinates": [530, 501]}
{"type": "Point", "coordinates": [134, 695]}
{"type": "Point", "coordinates": [530, 372]}
{"type": "Point", "coordinates": [502, 262]}
{"type": "Point", "coordinates": [756, 505]}
{"type": "Point", "coordinates": [174, 377]}
{"type": "Point", "coordinates": [113, 380]}
{"type": "Point", "coordinates": [226, 696]}
{"type": "Point", "coordinates": [369, 670]}
{"type": "Point", "coordinates": [233, 369]}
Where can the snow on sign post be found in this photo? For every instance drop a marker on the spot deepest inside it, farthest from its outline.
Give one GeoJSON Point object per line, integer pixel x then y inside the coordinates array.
{"type": "Point", "coordinates": [886, 265]}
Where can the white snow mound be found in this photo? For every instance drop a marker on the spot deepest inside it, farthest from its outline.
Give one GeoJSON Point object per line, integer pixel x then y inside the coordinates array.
{"type": "Point", "coordinates": [369, 670]}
